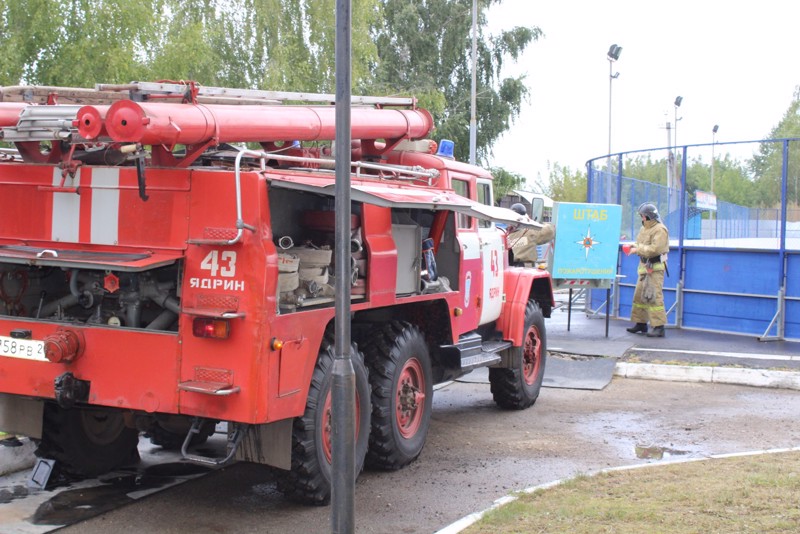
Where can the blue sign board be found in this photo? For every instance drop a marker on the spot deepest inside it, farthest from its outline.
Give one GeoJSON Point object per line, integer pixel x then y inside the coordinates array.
{"type": "Point", "coordinates": [587, 241]}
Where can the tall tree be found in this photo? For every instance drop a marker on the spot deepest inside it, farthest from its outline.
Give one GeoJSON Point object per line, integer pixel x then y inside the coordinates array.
{"type": "Point", "coordinates": [75, 42]}
{"type": "Point", "coordinates": [505, 181]}
{"type": "Point", "coordinates": [269, 44]}
{"type": "Point", "coordinates": [425, 48]}
{"type": "Point", "coordinates": [768, 163]}
{"type": "Point", "coordinates": [566, 185]}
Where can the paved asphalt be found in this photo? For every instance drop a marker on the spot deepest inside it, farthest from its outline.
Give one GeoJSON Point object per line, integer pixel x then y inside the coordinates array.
{"type": "Point", "coordinates": [587, 336]}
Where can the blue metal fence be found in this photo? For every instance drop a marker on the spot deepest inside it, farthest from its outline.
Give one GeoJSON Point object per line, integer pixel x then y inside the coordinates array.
{"type": "Point", "coordinates": [736, 270]}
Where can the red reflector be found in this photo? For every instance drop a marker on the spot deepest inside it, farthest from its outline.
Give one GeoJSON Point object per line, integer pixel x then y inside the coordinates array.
{"type": "Point", "coordinates": [213, 328]}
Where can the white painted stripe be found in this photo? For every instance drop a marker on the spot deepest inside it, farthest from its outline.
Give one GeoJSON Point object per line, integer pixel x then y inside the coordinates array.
{"type": "Point", "coordinates": [66, 209]}
{"type": "Point", "coordinates": [105, 206]}
{"type": "Point", "coordinates": [750, 355]}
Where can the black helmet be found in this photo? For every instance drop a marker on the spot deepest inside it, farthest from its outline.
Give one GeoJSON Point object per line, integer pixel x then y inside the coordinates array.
{"type": "Point", "coordinates": [519, 208]}
{"type": "Point", "coordinates": [649, 211]}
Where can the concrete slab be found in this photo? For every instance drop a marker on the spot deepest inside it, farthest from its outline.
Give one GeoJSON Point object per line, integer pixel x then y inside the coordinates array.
{"type": "Point", "coordinates": [16, 458]}
{"type": "Point", "coordinates": [588, 373]}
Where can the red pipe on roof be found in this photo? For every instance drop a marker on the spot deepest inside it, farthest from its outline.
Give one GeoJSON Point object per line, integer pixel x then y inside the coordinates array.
{"type": "Point", "coordinates": [170, 124]}
{"type": "Point", "coordinates": [9, 113]}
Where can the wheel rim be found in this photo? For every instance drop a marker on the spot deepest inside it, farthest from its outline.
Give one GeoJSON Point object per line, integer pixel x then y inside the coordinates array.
{"type": "Point", "coordinates": [327, 425]}
{"type": "Point", "coordinates": [102, 427]}
{"type": "Point", "coordinates": [531, 355]}
{"type": "Point", "coordinates": [410, 398]}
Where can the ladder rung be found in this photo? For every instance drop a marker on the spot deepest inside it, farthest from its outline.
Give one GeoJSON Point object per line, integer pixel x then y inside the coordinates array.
{"type": "Point", "coordinates": [253, 94]}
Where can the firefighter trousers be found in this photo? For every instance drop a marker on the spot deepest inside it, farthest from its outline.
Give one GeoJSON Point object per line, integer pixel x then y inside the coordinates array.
{"type": "Point", "coordinates": [649, 311]}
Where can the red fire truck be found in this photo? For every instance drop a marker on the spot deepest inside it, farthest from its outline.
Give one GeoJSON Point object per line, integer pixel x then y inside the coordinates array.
{"type": "Point", "coordinates": [159, 274]}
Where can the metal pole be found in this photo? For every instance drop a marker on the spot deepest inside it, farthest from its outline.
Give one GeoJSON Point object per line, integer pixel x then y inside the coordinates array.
{"type": "Point", "coordinates": [711, 213]}
{"type": "Point", "coordinates": [675, 144]}
{"type": "Point", "coordinates": [569, 309]}
{"type": "Point", "coordinates": [782, 239]}
{"type": "Point", "coordinates": [343, 390]}
{"type": "Point", "coordinates": [610, 85]}
{"type": "Point", "coordinates": [473, 123]}
{"type": "Point", "coordinates": [613, 54]}
{"type": "Point", "coordinates": [608, 161]}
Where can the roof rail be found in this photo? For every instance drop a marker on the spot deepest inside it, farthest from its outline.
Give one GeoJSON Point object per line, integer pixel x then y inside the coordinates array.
{"type": "Point", "coordinates": [140, 91]}
{"type": "Point", "coordinates": [166, 89]}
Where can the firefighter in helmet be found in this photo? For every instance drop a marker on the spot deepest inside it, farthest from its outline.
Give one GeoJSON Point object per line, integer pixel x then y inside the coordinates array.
{"type": "Point", "coordinates": [652, 247]}
{"type": "Point", "coordinates": [523, 241]}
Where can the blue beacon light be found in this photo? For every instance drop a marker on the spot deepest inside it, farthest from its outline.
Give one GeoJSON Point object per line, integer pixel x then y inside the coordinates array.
{"type": "Point", "coordinates": [446, 147]}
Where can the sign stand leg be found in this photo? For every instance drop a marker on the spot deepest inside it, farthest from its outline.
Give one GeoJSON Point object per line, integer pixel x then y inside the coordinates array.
{"type": "Point", "coordinates": [569, 309]}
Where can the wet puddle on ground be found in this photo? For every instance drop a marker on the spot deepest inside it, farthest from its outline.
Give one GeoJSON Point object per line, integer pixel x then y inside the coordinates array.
{"type": "Point", "coordinates": [65, 501]}
{"type": "Point", "coordinates": [73, 505]}
{"type": "Point", "coordinates": [655, 452]}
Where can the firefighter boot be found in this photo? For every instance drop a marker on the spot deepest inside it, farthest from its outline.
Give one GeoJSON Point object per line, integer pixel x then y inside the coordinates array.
{"type": "Point", "coordinates": [638, 327]}
{"type": "Point", "coordinates": [658, 331]}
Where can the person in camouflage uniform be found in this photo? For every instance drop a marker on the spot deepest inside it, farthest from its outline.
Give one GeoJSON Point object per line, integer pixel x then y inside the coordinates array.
{"type": "Point", "coordinates": [652, 247]}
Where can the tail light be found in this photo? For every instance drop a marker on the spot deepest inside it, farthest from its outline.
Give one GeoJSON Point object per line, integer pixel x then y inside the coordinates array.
{"type": "Point", "coordinates": [212, 328]}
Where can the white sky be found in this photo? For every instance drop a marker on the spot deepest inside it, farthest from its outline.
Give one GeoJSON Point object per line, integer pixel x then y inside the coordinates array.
{"type": "Point", "coordinates": [735, 63]}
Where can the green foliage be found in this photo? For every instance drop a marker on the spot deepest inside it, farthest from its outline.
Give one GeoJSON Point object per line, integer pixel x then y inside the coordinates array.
{"type": "Point", "coordinates": [75, 42]}
{"type": "Point", "coordinates": [768, 163]}
{"type": "Point", "coordinates": [731, 178]}
{"type": "Point", "coordinates": [566, 185]}
{"type": "Point", "coordinates": [267, 44]}
{"type": "Point", "coordinates": [644, 168]}
{"type": "Point", "coordinates": [505, 181]}
{"type": "Point", "coordinates": [425, 49]}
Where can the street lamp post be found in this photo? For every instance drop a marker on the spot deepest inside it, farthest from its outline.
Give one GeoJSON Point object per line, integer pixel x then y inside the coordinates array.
{"type": "Point", "coordinates": [713, 143]}
{"type": "Point", "coordinates": [676, 173]}
{"type": "Point", "coordinates": [613, 55]}
{"type": "Point", "coordinates": [678, 101]}
{"type": "Point", "coordinates": [473, 122]}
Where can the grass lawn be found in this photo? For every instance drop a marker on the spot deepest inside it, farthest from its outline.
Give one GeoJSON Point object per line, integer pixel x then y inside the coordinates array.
{"type": "Point", "coordinates": [758, 494]}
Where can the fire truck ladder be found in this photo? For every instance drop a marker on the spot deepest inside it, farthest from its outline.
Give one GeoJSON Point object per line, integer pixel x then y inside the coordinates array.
{"type": "Point", "coordinates": [188, 91]}
{"type": "Point", "coordinates": [143, 91]}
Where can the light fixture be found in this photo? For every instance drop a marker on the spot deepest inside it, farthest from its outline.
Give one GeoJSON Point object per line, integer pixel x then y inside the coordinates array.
{"type": "Point", "coordinates": [613, 52]}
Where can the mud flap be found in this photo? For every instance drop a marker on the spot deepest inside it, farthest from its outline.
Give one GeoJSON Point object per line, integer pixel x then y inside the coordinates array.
{"type": "Point", "coordinates": [21, 415]}
{"type": "Point", "coordinates": [269, 444]}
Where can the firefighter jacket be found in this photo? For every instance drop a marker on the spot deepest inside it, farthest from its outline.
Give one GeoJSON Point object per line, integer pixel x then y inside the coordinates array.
{"type": "Point", "coordinates": [523, 242]}
{"type": "Point", "coordinates": [652, 246]}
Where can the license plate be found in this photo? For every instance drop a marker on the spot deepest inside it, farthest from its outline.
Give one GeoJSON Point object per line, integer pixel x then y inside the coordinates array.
{"type": "Point", "coordinates": [29, 349]}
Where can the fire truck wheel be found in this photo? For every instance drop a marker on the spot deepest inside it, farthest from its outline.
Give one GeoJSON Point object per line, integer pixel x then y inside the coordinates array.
{"type": "Point", "coordinates": [87, 441]}
{"type": "Point", "coordinates": [170, 434]}
{"type": "Point", "coordinates": [518, 388]}
{"type": "Point", "coordinates": [402, 394]}
{"type": "Point", "coordinates": [309, 480]}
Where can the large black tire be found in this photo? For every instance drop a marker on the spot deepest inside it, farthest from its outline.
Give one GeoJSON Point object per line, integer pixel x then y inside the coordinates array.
{"type": "Point", "coordinates": [87, 441]}
{"type": "Point", "coordinates": [518, 388]}
{"type": "Point", "coordinates": [402, 394]}
{"type": "Point", "coordinates": [171, 434]}
{"type": "Point", "coordinates": [309, 479]}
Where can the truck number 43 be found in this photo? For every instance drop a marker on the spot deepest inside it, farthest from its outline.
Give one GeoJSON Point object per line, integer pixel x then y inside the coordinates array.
{"type": "Point", "coordinates": [222, 262]}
